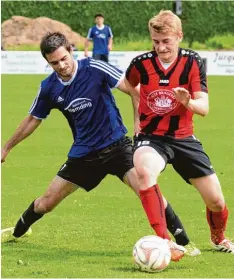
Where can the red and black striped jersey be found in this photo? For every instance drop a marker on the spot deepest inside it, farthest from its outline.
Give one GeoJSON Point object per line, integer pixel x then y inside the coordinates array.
{"type": "Point", "coordinates": [160, 113]}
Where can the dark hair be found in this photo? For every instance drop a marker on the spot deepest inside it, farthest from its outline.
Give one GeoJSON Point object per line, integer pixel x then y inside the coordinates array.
{"type": "Point", "coordinates": [101, 15]}
{"type": "Point", "coordinates": [52, 41]}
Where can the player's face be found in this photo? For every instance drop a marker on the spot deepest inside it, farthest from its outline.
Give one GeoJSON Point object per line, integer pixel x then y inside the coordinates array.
{"type": "Point", "coordinates": [62, 62]}
{"type": "Point", "coordinates": [99, 20]}
{"type": "Point", "coordinates": [166, 45]}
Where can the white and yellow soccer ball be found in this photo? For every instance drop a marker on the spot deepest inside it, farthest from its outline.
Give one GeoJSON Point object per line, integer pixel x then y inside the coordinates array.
{"type": "Point", "coordinates": [152, 253]}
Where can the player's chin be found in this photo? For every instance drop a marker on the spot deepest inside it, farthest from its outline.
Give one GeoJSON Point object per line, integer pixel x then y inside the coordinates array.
{"type": "Point", "coordinates": [165, 57]}
{"type": "Point", "coordinates": [66, 74]}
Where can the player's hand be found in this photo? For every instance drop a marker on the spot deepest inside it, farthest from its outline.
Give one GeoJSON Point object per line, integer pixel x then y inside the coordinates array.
{"type": "Point", "coordinates": [109, 47]}
{"type": "Point", "coordinates": [4, 154]}
{"type": "Point", "coordinates": [86, 54]}
{"type": "Point", "coordinates": [182, 95]}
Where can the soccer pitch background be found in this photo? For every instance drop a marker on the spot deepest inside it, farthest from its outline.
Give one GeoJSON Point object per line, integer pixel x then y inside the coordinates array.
{"type": "Point", "coordinates": [92, 234]}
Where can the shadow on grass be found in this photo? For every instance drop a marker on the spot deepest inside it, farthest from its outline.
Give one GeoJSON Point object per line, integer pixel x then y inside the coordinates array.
{"type": "Point", "coordinates": [136, 270]}
{"type": "Point", "coordinates": [37, 251]}
{"type": "Point", "coordinates": [126, 269]}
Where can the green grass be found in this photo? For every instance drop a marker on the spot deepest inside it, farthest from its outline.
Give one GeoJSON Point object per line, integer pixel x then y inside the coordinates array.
{"type": "Point", "coordinates": [224, 42]}
{"type": "Point", "coordinates": [92, 234]}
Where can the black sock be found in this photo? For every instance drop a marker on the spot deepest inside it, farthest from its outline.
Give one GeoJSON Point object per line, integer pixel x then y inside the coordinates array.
{"type": "Point", "coordinates": [26, 220]}
{"type": "Point", "coordinates": [175, 226]}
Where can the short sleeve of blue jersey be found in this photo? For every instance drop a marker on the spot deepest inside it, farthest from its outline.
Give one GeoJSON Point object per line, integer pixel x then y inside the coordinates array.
{"type": "Point", "coordinates": [41, 106]}
{"type": "Point", "coordinates": [112, 74]}
{"type": "Point", "coordinates": [90, 34]}
{"type": "Point", "coordinates": [110, 34]}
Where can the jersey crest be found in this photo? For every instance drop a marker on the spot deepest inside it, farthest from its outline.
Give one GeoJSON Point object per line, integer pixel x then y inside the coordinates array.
{"type": "Point", "coordinates": [162, 101]}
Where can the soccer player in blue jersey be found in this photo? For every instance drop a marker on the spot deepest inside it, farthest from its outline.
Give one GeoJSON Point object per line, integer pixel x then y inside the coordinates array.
{"type": "Point", "coordinates": [102, 38]}
{"type": "Point", "coordinates": [81, 90]}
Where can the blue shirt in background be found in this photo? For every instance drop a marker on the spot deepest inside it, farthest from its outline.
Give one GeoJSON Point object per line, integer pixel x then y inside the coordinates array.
{"type": "Point", "coordinates": [100, 39]}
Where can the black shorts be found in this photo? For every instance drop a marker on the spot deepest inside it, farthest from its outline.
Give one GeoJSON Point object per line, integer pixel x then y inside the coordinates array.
{"type": "Point", "coordinates": [87, 172]}
{"type": "Point", "coordinates": [186, 155]}
{"type": "Point", "coordinates": [102, 57]}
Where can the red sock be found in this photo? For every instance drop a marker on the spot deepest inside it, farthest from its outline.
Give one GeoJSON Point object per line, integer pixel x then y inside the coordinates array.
{"type": "Point", "coordinates": [154, 208]}
{"type": "Point", "coordinates": [217, 222]}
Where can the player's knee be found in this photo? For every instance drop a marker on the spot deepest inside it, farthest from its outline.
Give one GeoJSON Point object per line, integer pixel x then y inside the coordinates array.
{"type": "Point", "coordinates": [217, 204]}
{"type": "Point", "coordinates": [147, 176]}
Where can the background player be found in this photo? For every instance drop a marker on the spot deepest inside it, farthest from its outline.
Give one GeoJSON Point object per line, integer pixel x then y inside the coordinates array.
{"type": "Point", "coordinates": [102, 38]}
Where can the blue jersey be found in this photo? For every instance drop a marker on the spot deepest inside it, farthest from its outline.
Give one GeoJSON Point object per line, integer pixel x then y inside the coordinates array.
{"type": "Point", "coordinates": [100, 39]}
{"type": "Point", "coordinates": [87, 103]}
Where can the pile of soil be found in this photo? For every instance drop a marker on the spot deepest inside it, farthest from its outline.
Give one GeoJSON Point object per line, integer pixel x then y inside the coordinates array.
{"type": "Point", "coordinates": [19, 30]}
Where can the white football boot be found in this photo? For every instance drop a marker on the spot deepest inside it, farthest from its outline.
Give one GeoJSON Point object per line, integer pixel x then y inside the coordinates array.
{"type": "Point", "coordinates": [7, 234]}
{"type": "Point", "coordinates": [226, 246]}
{"type": "Point", "coordinates": [192, 250]}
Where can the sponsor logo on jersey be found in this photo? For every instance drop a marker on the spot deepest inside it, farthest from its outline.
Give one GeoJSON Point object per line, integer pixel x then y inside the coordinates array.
{"type": "Point", "coordinates": [101, 36]}
{"type": "Point", "coordinates": [162, 101]}
{"type": "Point", "coordinates": [164, 81]}
{"type": "Point", "coordinates": [79, 104]}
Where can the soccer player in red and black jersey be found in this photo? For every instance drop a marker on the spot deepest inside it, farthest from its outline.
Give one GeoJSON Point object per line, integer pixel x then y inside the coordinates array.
{"type": "Point", "coordinates": [173, 87]}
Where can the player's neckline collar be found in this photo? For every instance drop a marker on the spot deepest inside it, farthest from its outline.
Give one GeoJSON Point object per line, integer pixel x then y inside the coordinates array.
{"type": "Point", "coordinates": [100, 28]}
{"type": "Point", "coordinates": [72, 78]}
{"type": "Point", "coordinates": [166, 65]}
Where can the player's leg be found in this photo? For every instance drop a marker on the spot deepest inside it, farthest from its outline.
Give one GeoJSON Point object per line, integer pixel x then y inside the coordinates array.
{"type": "Point", "coordinates": [174, 224]}
{"type": "Point", "coordinates": [216, 211]}
{"type": "Point", "coordinates": [149, 164]}
{"type": "Point", "coordinates": [120, 165]}
{"type": "Point", "coordinates": [177, 250]}
{"type": "Point", "coordinates": [177, 229]}
{"type": "Point", "coordinates": [193, 164]}
{"type": "Point", "coordinates": [72, 173]}
{"type": "Point", "coordinates": [56, 192]}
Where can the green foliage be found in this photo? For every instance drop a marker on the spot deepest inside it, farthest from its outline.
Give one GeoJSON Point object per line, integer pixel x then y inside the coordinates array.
{"type": "Point", "coordinates": [204, 19]}
{"type": "Point", "coordinates": [201, 19]}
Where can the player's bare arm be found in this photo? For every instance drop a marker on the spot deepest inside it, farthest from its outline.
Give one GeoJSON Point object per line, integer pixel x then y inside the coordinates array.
{"type": "Point", "coordinates": [26, 128]}
{"type": "Point", "coordinates": [199, 105]}
{"type": "Point", "coordinates": [110, 43]}
{"type": "Point", "coordinates": [134, 92]}
{"type": "Point", "coordinates": [86, 48]}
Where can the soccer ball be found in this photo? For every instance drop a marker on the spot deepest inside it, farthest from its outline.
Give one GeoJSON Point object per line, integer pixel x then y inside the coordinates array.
{"type": "Point", "coordinates": [152, 253]}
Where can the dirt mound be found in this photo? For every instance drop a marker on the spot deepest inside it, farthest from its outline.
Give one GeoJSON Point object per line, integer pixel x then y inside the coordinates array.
{"type": "Point", "coordinates": [19, 30]}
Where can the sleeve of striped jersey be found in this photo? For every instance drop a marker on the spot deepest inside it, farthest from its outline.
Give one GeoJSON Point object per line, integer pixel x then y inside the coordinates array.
{"type": "Point", "coordinates": [198, 81]}
{"type": "Point", "coordinates": [111, 73]}
{"type": "Point", "coordinates": [90, 34]}
{"type": "Point", "coordinates": [40, 108]}
{"type": "Point", "coordinates": [133, 75]}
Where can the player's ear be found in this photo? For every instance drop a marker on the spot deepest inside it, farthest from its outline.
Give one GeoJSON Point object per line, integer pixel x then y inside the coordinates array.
{"type": "Point", "coordinates": [180, 36]}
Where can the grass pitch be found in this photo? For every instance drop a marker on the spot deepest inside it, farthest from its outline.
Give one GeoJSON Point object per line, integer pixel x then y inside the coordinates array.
{"type": "Point", "coordinates": [92, 234]}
